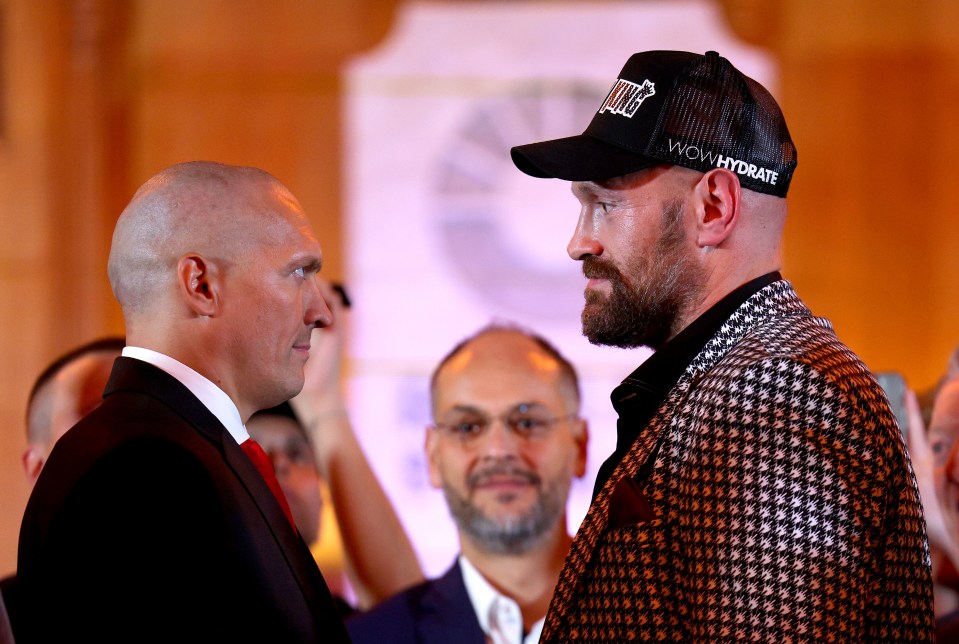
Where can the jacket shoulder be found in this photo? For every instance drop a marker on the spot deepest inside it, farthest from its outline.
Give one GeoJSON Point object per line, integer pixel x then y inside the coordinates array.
{"type": "Point", "coordinates": [393, 620]}
{"type": "Point", "coordinates": [433, 612]}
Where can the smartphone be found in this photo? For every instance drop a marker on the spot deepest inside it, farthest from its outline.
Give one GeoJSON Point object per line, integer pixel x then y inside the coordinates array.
{"type": "Point", "coordinates": [894, 385]}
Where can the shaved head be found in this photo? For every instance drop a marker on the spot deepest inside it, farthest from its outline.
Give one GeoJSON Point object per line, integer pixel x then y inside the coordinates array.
{"type": "Point", "coordinates": [200, 207]}
{"type": "Point", "coordinates": [214, 266]}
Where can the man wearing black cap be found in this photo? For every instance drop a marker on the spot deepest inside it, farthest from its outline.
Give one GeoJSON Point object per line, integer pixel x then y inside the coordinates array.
{"type": "Point", "coordinates": [760, 488]}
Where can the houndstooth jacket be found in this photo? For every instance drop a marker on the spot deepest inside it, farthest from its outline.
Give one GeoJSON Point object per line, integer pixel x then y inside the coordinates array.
{"type": "Point", "coordinates": [781, 505]}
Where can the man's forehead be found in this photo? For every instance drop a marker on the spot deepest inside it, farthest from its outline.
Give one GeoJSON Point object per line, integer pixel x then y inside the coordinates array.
{"type": "Point", "coordinates": [586, 190]}
{"type": "Point", "coordinates": [616, 185]}
{"type": "Point", "coordinates": [519, 405]}
{"type": "Point", "coordinates": [504, 351]}
{"type": "Point", "coordinates": [496, 383]}
{"type": "Point", "coordinates": [287, 229]}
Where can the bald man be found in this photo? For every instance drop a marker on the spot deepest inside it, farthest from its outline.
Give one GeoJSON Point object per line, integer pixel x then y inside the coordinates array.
{"type": "Point", "coordinates": [155, 518]}
{"type": "Point", "coordinates": [760, 488]}
{"type": "Point", "coordinates": [506, 444]}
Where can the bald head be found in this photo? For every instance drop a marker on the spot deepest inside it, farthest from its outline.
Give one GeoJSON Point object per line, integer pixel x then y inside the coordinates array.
{"type": "Point", "coordinates": [199, 207]}
{"type": "Point", "coordinates": [215, 266]}
{"type": "Point", "coordinates": [762, 217]}
{"type": "Point", "coordinates": [501, 346]}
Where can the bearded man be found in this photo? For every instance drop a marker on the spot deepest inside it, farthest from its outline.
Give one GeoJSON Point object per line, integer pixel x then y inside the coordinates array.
{"type": "Point", "coordinates": [760, 489]}
{"type": "Point", "coordinates": [506, 444]}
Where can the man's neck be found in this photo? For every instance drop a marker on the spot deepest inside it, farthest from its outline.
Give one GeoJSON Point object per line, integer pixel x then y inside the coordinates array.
{"type": "Point", "coordinates": [528, 578]}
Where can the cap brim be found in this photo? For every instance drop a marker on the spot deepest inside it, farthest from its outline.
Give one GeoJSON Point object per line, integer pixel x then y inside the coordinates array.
{"type": "Point", "coordinates": [578, 158]}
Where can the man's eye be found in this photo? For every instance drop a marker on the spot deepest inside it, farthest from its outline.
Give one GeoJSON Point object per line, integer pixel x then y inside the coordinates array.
{"type": "Point", "coordinates": [527, 425]}
{"type": "Point", "coordinates": [299, 454]}
{"type": "Point", "coordinates": [300, 272]}
{"type": "Point", "coordinates": [467, 427]}
{"type": "Point", "coordinates": [940, 449]}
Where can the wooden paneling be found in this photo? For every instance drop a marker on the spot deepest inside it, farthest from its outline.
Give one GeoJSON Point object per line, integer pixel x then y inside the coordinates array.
{"type": "Point", "coordinates": [100, 95]}
{"type": "Point", "coordinates": [870, 90]}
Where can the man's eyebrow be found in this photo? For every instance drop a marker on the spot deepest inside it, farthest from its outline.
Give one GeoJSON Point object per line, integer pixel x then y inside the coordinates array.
{"type": "Point", "coordinates": [466, 409]}
{"type": "Point", "coordinates": [586, 189]}
{"type": "Point", "coordinates": [311, 263]}
{"type": "Point", "coordinates": [518, 407]}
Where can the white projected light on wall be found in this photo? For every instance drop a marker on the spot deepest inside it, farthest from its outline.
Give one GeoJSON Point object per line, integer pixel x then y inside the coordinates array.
{"type": "Point", "coordinates": [445, 235]}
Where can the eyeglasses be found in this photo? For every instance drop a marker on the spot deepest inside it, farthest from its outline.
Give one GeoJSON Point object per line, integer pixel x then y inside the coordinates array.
{"type": "Point", "coordinates": [523, 422]}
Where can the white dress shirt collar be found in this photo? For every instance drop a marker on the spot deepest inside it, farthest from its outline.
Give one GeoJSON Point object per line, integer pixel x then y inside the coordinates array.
{"type": "Point", "coordinates": [491, 605]}
{"type": "Point", "coordinates": [212, 397]}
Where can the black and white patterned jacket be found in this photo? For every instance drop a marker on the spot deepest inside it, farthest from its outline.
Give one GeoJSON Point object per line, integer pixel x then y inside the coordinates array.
{"type": "Point", "coordinates": [781, 506]}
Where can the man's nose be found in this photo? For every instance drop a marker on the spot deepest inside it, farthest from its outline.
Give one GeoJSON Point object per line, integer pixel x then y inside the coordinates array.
{"type": "Point", "coordinates": [318, 313]}
{"type": "Point", "coordinates": [584, 241]}
{"type": "Point", "coordinates": [500, 440]}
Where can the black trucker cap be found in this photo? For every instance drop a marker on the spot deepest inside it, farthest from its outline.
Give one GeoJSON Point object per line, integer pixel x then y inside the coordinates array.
{"type": "Point", "coordinates": [676, 107]}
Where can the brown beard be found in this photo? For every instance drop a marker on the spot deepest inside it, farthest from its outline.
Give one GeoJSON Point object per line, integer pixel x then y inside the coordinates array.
{"type": "Point", "coordinates": [648, 302]}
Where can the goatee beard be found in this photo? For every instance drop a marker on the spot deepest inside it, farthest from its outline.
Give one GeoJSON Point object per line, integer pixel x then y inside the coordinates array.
{"type": "Point", "coordinates": [513, 535]}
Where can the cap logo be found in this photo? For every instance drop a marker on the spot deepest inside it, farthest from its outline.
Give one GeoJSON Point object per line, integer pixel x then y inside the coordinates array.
{"type": "Point", "coordinates": [625, 97]}
{"type": "Point", "coordinates": [698, 155]}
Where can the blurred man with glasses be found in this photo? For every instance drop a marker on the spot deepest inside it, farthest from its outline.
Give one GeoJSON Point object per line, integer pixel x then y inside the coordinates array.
{"type": "Point", "coordinates": [506, 443]}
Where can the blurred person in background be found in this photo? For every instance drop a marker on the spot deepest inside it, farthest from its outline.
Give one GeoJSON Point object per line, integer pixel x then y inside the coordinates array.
{"type": "Point", "coordinates": [935, 456]}
{"type": "Point", "coordinates": [66, 391]}
{"type": "Point", "coordinates": [505, 446]}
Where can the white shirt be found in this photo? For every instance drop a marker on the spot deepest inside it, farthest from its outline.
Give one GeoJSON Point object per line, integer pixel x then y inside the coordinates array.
{"type": "Point", "coordinates": [493, 608]}
{"type": "Point", "coordinates": [212, 397]}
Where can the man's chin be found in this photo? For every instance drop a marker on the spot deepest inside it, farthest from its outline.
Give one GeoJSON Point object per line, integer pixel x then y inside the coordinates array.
{"type": "Point", "coordinates": [505, 504]}
{"type": "Point", "coordinates": [593, 329]}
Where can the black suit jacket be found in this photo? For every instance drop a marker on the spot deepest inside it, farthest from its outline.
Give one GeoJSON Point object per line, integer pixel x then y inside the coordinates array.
{"type": "Point", "coordinates": [149, 522]}
{"type": "Point", "coordinates": [433, 612]}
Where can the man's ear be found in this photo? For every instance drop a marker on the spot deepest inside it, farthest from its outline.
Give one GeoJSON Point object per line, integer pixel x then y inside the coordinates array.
{"type": "Point", "coordinates": [33, 459]}
{"type": "Point", "coordinates": [432, 457]}
{"type": "Point", "coordinates": [197, 282]}
{"type": "Point", "coordinates": [717, 206]}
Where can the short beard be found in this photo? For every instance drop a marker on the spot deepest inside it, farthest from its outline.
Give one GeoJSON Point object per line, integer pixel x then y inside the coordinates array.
{"type": "Point", "coordinates": [510, 535]}
{"type": "Point", "coordinates": [648, 311]}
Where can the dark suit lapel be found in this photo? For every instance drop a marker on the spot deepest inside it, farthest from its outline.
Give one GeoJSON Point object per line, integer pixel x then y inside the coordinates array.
{"type": "Point", "coordinates": [137, 376]}
{"type": "Point", "coordinates": [446, 613]}
{"type": "Point", "coordinates": [133, 375]}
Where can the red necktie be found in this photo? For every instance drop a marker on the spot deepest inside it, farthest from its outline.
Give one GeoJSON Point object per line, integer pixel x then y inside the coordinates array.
{"type": "Point", "coordinates": [265, 467]}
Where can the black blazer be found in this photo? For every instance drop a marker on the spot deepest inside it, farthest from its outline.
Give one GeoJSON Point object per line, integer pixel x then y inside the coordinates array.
{"type": "Point", "coordinates": [149, 522]}
{"type": "Point", "coordinates": [433, 612]}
